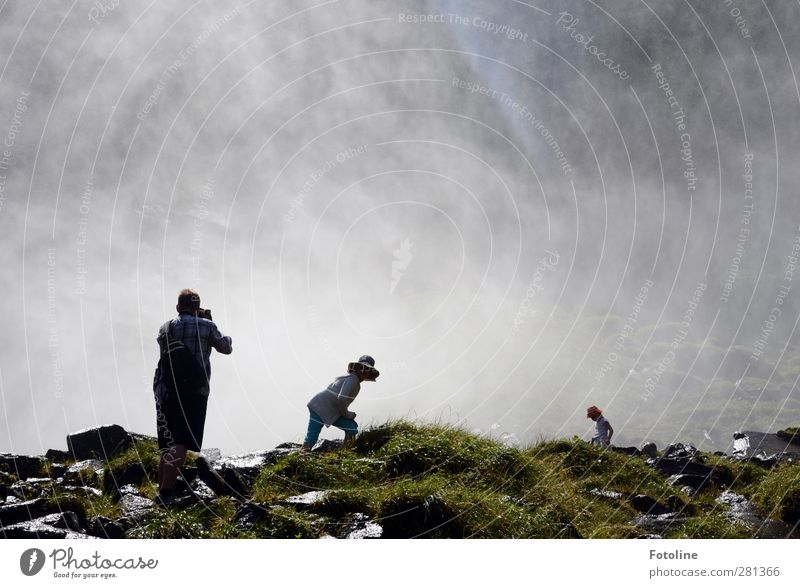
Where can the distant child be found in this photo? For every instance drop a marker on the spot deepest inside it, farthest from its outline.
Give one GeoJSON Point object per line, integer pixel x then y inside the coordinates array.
{"type": "Point", "coordinates": [603, 430]}
{"type": "Point", "coordinates": [331, 406]}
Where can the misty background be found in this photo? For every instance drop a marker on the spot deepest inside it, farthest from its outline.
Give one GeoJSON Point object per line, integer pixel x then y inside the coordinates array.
{"type": "Point", "coordinates": [512, 226]}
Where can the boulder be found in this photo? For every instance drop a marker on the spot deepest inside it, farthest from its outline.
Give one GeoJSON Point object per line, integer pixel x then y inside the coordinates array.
{"type": "Point", "coordinates": [248, 515]}
{"type": "Point", "coordinates": [360, 526]}
{"type": "Point", "coordinates": [681, 451]}
{"type": "Point", "coordinates": [749, 444]}
{"type": "Point", "coordinates": [306, 501]}
{"type": "Point", "coordinates": [134, 474]}
{"type": "Point", "coordinates": [98, 442]}
{"type": "Point", "coordinates": [136, 507]}
{"type": "Point", "coordinates": [659, 524]}
{"type": "Point", "coordinates": [250, 465]}
{"type": "Point", "coordinates": [326, 445]}
{"type": "Point", "coordinates": [57, 455]}
{"type": "Point", "coordinates": [649, 450]}
{"type": "Point", "coordinates": [22, 466]}
{"type": "Point", "coordinates": [696, 483]}
{"type": "Point", "coordinates": [84, 473]}
{"type": "Point", "coordinates": [26, 511]}
{"type": "Point", "coordinates": [104, 528]}
{"type": "Point", "coordinates": [42, 528]}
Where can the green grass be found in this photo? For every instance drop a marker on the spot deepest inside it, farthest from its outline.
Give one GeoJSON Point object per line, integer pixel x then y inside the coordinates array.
{"type": "Point", "coordinates": [436, 481]}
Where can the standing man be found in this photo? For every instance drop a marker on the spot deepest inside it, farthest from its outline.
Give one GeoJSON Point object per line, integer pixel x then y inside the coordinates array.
{"type": "Point", "coordinates": [181, 386]}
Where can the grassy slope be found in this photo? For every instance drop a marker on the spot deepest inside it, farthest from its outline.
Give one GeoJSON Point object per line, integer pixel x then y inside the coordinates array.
{"type": "Point", "coordinates": [437, 481]}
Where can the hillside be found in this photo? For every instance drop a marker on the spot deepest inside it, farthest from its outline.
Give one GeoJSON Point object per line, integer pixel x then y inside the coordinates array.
{"type": "Point", "coordinates": [404, 480]}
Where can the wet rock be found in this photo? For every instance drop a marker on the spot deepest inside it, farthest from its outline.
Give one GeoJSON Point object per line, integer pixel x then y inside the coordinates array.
{"type": "Point", "coordinates": [56, 470]}
{"type": "Point", "coordinates": [307, 500]}
{"type": "Point", "coordinates": [201, 490]}
{"type": "Point", "coordinates": [84, 473]}
{"type": "Point", "coordinates": [212, 454]}
{"type": "Point", "coordinates": [25, 511]}
{"type": "Point", "coordinates": [740, 509]}
{"type": "Point", "coordinates": [57, 455]}
{"type": "Point", "coordinates": [288, 445]}
{"type": "Point", "coordinates": [632, 451]}
{"type": "Point", "coordinates": [696, 483]}
{"type": "Point", "coordinates": [98, 442]}
{"type": "Point", "coordinates": [248, 515]}
{"type": "Point", "coordinates": [361, 526]}
{"type": "Point", "coordinates": [659, 523]}
{"type": "Point", "coordinates": [134, 474]}
{"type": "Point", "coordinates": [766, 461]}
{"type": "Point", "coordinates": [649, 536]}
{"type": "Point", "coordinates": [743, 511]}
{"type": "Point", "coordinates": [104, 528]}
{"type": "Point", "coordinates": [326, 445]}
{"type": "Point", "coordinates": [670, 467]}
{"type": "Point", "coordinates": [31, 488]}
{"type": "Point", "coordinates": [136, 507]}
{"type": "Point", "coordinates": [681, 451]}
{"type": "Point", "coordinates": [648, 505]}
{"type": "Point", "coordinates": [88, 490]}
{"type": "Point", "coordinates": [22, 466]}
{"type": "Point", "coordinates": [39, 529]}
{"type": "Point", "coordinates": [250, 464]}
{"type": "Point", "coordinates": [748, 444]}
{"type": "Point", "coordinates": [605, 493]}
{"type": "Point", "coordinates": [649, 450]}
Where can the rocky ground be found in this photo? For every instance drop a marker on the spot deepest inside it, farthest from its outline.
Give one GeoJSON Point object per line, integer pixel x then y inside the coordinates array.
{"type": "Point", "coordinates": [405, 480]}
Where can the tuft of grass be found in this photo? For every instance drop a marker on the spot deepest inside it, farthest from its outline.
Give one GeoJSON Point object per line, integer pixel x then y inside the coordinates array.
{"type": "Point", "coordinates": [778, 493]}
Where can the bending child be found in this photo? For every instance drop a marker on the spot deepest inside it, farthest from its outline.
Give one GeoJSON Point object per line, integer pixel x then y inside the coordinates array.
{"type": "Point", "coordinates": [332, 405]}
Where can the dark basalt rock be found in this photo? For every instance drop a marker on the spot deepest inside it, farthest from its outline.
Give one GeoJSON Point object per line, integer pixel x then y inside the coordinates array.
{"type": "Point", "coordinates": [681, 451]}
{"type": "Point", "coordinates": [306, 501]}
{"type": "Point", "coordinates": [42, 528]}
{"type": "Point", "coordinates": [649, 450]}
{"type": "Point", "coordinates": [25, 511]}
{"type": "Point", "coordinates": [134, 474]}
{"type": "Point", "coordinates": [749, 444]}
{"type": "Point", "coordinates": [22, 466]}
{"type": "Point", "coordinates": [659, 524]}
{"type": "Point", "coordinates": [98, 442]}
{"type": "Point", "coordinates": [32, 488]}
{"type": "Point", "coordinates": [250, 465]}
{"type": "Point", "coordinates": [104, 528]}
{"type": "Point", "coordinates": [326, 445]}
{"type": "Point", "coordinates": [360, 526]}
{"type": "Point", "coordinates": [606, 493]}
{"type": "Point", "coordinates": [696, 483]}
{"type": "Point", "coordinates": [56, 470]}
{"type": "Point", "coordinates": [57, 455]}
{"type": "Point", "coordinates": [248, 515]}
{"type": "Point", "coordinates": [136, 507]}
{"type": "Point", "coordinates": [84, 473]}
